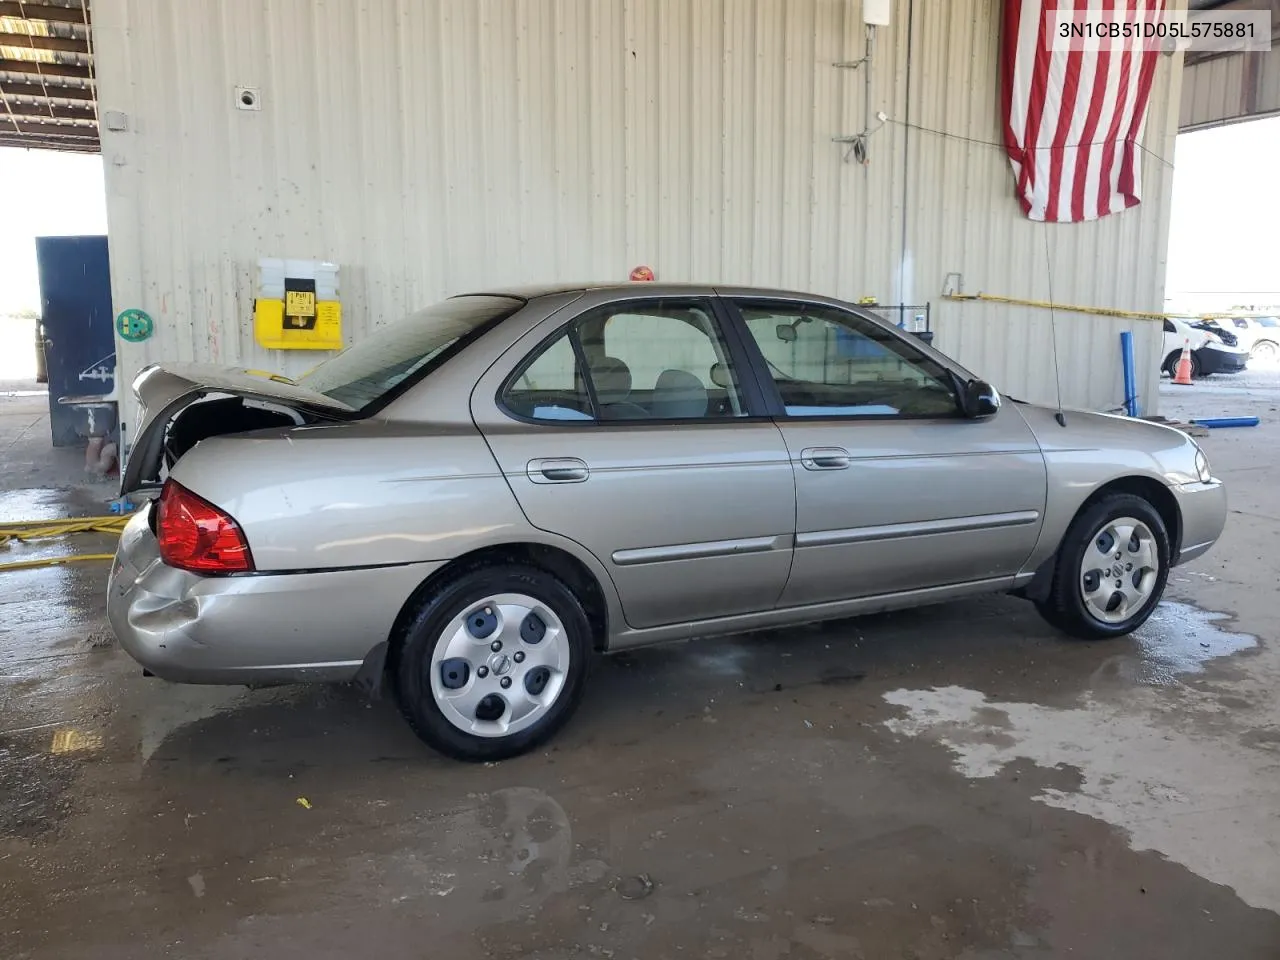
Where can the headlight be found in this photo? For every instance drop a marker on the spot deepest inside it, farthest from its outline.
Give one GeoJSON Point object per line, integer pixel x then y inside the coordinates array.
{"type": "Point", "coordinates": [1202, 466]}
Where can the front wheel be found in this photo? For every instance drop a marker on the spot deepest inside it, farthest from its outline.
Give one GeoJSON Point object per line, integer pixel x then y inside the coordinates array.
{"type": "Point", "coordinates": [1265, 352]}
{"type": "Point", "coordinates": [1171, 365]}
{"type": "Point", "coordinates": [1112, 568]}
{"type": "Point", "coordinates": [494, 663]}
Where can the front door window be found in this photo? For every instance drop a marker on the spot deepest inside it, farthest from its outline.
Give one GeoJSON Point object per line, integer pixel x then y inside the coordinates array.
{"type": "Point", "coordinates": [829, 363]}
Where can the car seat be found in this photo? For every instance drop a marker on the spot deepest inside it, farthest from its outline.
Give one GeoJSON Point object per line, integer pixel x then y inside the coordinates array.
{"type": "Point", "coordinates": [678, 394]}
{"type": "Point", "coordinates": [612, 380]}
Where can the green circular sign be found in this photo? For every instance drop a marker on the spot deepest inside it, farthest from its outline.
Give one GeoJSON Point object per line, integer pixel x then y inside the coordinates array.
{"type": "Point", "coordinates": [134, 325]}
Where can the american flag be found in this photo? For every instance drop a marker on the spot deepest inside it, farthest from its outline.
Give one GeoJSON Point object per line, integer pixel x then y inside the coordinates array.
{"type": "Point", "coordinates": [1074, 118]}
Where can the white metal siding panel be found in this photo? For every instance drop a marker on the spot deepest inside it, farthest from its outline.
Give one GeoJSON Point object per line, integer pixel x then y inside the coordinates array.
{"type": "Point", "coordinates": [436, 146]}
{"type": "Point", "coordinates": [962, 217]}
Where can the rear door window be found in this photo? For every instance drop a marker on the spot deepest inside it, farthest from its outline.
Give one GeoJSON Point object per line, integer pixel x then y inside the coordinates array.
{"type": "Point", "coordinates": [651, 360]}
{"type": "Point", "coordinates": [551, 386]}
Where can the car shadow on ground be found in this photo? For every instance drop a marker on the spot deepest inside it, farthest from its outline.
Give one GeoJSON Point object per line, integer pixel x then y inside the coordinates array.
{"type": "Point", "coordinates": [998, 645]}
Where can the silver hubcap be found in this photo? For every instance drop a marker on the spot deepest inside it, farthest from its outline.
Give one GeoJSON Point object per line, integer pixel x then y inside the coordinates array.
{"type": "Point", "coordinates": [499, 665]}
{"type": "Point", "coordinates": [1119, 570]}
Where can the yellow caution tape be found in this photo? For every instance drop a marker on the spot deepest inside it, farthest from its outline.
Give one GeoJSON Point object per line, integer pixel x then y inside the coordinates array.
{"type": "Point", "coordinates": [1097, 311]}
{"type": "Point", "coordinates": [1069, 307]}
{"type": "Point", "coordinates": [47, 529]}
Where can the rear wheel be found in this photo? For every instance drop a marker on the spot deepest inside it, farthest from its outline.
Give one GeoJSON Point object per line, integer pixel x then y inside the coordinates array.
{"type": "Point", "coordinates": [1265, 352]}
{"type": "Point", "coordinates": [494, 663]}
{"type": "Point", "coordinates": [1112, 568]}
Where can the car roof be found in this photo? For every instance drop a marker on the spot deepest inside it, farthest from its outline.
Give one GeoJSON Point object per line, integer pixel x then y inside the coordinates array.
{"type": "Point", "coordinates": [644, 288]}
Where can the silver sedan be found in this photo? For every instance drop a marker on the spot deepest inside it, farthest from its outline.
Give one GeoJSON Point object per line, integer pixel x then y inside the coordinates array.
{"type": "Point", "coordinates": [467, 504]}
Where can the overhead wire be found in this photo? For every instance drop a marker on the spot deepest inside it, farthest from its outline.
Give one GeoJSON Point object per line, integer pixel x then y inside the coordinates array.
{"type": "Point", "coordinates": [995, 143]}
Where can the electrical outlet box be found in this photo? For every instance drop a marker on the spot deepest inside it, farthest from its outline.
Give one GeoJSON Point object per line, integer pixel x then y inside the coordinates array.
{"type": "Point", "coordinates": [876, 13]}
{"type": "Point", "coordinates": [297, 305]}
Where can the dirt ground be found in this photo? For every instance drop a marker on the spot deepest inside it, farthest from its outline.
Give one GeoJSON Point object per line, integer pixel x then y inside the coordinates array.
{"type": "Point", "coordinates": [952, 782]}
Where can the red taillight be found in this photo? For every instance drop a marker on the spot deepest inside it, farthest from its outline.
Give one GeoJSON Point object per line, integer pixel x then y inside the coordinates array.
{"type": "Point", "coordinates": [195, 535]}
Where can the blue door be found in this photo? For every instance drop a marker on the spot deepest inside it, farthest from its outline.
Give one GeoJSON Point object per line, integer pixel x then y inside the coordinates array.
{"type": "Point", "coordinates": [80, 346]}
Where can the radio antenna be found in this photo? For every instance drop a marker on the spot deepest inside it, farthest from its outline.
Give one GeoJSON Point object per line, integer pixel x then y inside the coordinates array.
{"type": "Point", "coordinates": [1053, 331]}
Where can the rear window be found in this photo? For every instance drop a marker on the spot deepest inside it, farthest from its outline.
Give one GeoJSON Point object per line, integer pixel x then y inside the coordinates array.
{"type": "Point", "coordinates": [368, 374]}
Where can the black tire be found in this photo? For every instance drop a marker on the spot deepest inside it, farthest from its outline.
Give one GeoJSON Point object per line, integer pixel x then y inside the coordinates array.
{"type": "Point", "coordinates": [1265, 351]}
{"type": "Point", "coordinates": [412, 662]}
{"type": "Point", "coordinates": [1065, 607]}
{"type": "Point", "coordinates": [1171, 365]}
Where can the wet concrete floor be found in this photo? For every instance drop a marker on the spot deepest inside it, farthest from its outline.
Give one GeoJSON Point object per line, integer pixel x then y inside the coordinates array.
{"type": "Point", "coordinates": [953, 782]}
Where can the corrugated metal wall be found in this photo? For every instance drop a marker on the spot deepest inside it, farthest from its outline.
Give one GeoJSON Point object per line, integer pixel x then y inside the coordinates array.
{"type": "Point", "coordinates": [437, 146]}
{"type": "Point", "coordinates": [1230, 88]}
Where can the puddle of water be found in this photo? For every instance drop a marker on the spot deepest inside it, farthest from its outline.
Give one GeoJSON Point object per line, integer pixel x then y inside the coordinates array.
{"type": "Point", "coordinates": [53, 503]}
{"type": "Point", "coordinates": [1162, 761]}
{"type": "Point", "coordinates": [32, 504]}
{"type": "Point", "coordinates": [1178, 639]}
{"type": "Point", "coordinates": [498, 856]}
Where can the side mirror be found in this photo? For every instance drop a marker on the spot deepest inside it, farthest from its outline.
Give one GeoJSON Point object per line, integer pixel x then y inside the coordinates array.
{"type": "Point", "coordinates": [979, 400]}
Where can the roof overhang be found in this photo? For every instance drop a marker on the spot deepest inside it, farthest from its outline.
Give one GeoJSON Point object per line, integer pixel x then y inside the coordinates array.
{"type": "Point", "coordinates": [48, 99]}
{"type": "Point", "coordinates": [1193, 57]}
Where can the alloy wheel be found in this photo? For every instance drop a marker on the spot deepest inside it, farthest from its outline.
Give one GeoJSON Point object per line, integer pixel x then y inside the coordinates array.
{"type": "Point", "coordinates": [499, 665]}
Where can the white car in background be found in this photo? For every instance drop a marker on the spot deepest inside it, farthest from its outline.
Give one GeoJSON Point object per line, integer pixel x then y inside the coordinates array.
{"type": "Point", "coordinates": [1213, 349]}
{"type": "Point", "coordinates": [1259, 335]}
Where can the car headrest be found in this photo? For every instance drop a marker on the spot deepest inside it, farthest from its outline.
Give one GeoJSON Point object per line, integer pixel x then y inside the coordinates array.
{"type": "Point", "coordinates": [678, 393]}
{"type": "Point", "coordinates": [720, 375]}
{"type": "Point", "coordinates": [612, 380]}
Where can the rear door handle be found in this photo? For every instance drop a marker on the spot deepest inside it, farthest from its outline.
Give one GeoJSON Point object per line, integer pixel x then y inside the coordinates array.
{"type": "Point", "coordinates": [558, 470]}
{"type": "Point", "coordinates": [824, 458]}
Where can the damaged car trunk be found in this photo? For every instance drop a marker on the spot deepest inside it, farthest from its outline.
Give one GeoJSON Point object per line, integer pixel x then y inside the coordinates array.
{"type": "Point", "coordinates": [183, 404]}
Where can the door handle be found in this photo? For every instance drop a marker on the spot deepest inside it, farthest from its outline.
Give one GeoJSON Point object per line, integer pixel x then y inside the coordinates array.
{"type": "Point", "coordinates": [558, 470]}
{"type": "Point", "coordinates": [824, 458]}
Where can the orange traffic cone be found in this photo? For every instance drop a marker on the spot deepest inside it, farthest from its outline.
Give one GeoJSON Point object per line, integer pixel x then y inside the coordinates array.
{"type": "Point", "coordinates": [1182, 374]}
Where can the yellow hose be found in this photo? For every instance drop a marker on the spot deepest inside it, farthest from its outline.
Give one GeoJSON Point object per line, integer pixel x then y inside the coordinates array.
{"type": "Point", "coordinates": [55, 561]}
{"type": "Point", "coordinates": [46, 529]}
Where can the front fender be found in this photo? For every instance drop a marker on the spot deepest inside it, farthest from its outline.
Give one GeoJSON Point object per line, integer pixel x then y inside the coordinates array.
{"type": "Point", "coordinates": [1097, 451]}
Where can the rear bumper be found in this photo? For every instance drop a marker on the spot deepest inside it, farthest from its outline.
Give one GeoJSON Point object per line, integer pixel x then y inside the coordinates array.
{"type": "Point", "coordinates": [1221, 361]}
{"type": "Point", "coordinates": [261, 628]}
{"type": "Point", "coordinates": [1203, 508]}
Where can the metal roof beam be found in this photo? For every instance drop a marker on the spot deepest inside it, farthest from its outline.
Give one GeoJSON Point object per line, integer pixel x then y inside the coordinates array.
{"type": "Point", "coordinates": [69, 111]}
{"type": "Point", "coordinates": [45, 69]}
{"type": "Point", "coordinates": [48, 128]}
{"type": "Point", "coordinates": [40, 11]}
{"type": "Point", "coordinates": [51, 90]}
{"type": "Point", "coordinates": [56, 44]}
{"type": "Point", "coordinates": [48, 143]}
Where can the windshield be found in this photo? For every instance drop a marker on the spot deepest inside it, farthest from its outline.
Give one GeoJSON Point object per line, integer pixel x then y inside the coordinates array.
{"type": "Point", "coordinates": [369, 371]}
